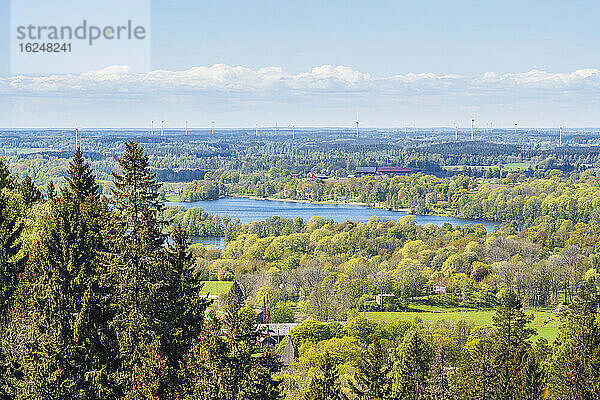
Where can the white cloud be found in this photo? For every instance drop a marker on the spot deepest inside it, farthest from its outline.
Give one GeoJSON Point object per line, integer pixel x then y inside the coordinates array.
{"type": "Point", "coordinates": [225, 79]}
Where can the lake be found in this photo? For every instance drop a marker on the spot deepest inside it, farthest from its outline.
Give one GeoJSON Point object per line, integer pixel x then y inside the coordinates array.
{"type": "Point", "coordinates": [248, 210]}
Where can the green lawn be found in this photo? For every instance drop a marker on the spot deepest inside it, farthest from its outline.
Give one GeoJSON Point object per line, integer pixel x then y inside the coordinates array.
{"type": "Point", "coordinates": [482, 318]}
{"type": "Point", "coordinates": [506, 167]}
{"type": "Point", "coordinates": [215, 287]}
{"type": "Point", "coordinates": [516, 166]}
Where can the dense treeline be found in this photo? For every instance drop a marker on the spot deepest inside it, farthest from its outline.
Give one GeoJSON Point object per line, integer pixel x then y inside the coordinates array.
{"type": "Point", "coordinates": [525, 201]}
{"type": "Point", "coordinates": [44, 157]}
{"type": "Point", "coordinates": [410, 360]}
{"type": "Point", "coordinates": [98, 304]}
{"type": "Point", "coordinates": [328, 269]}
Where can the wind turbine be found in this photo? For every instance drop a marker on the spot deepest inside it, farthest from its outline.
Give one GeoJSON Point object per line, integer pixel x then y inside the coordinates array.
{"type": "Point", "coordinates": [152, 128]}
{"type": "Point", "coordinates": [76, 138]}
{"type": "Point", "coordinates": [256, 130]}
{"type": "Point", "coordinates": [162, 128]}
{"type": "Point", "coordinates": [560, 137]}
{"type": "Point", "coordinates": [456, 132]}
{"type": "Point", "coordinates": [357, 125]}
{"type": "Point", "coordinates": [186, 130]}
{"type": "Point", "coordinates": [472, 123]}
{"type": "Point", "coordinates": [212, 129]}
{"type": "Point", "coordinates": [293, 132]}
{"type": "Point", "coordinates": [515, 128]}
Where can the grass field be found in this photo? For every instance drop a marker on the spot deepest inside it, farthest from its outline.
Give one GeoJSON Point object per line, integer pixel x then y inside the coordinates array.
{"type": "Point", "coordinates": [215, 287]}
{"type": "Point", "coordinates": [506, 167]}
{"type": "Point", "coordinates": [547, 330]}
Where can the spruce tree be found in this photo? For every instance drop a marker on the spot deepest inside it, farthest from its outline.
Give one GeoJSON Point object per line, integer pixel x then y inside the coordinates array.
{"type": "Point", "coordinates": [138, 266]}
{"type": "Point", "coordinates": [373, 378]}
{"type": "Point", "coordinates": [575, 366]}
{"type": "Point", "coordinates": [29, 192]}
{"type": "Point", "coordinates": [184, 305]}
{"type": "Point", "coordinates": [11, 261]}
{"type": "Point", "coordinates": [80, 178]}
{"type": "Point", "coordinates": [6, 179]}
{"type": "Point", "coordinates": [511, 337]}
{"type": "Point", "coordinates": [50, 191]}
{"type": "Point", "coordinates": [66, 288]}
{"type": "Point", "coordinates": [234, 297]}
{"type": "Point", "coordinates": [412, 365]}
{"type": "Point", "coordinates": [325, 386]}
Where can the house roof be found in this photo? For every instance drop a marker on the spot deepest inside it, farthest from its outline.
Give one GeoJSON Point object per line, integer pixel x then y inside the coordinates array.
{"type": "Point", "coordinates": [395, 169]}
{"type": "Point", "coordinates": [287, 356]}
{"type": "Point", "coordinates": [366, 170]}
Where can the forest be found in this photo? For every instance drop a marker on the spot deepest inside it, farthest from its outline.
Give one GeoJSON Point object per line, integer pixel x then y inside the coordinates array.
{"type": "Point", "coordinates": [102, 288]}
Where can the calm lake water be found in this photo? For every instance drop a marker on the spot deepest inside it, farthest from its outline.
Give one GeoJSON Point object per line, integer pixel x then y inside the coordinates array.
{"type": "Point", "coordinates": [248, 210]}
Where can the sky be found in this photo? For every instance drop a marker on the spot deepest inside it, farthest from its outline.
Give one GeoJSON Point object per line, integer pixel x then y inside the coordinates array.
{"type": "Point", "coordinates": [320, 63]}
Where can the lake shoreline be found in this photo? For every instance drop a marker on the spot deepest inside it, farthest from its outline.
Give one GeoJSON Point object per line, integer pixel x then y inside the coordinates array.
{"type": "Point", "coordinates": [331, 202]}
{"type": "Point", "coordinates": [252, 208]}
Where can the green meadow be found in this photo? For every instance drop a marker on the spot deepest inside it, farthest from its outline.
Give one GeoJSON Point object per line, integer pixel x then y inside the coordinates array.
{"type": "Point", "coordinates": [545, 322]}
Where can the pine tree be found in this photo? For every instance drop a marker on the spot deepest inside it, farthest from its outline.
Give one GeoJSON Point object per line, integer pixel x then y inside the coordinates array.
{"type": "Point", "coordinates": [373, 379]}
{"type": "Point", "coordinates": [412, 365]}
{"type": "Point", "coordinates": [80, 177]}
{"type": "Point", "coordinates": [575, 366]}
{"type": "Point", "coordinates": [325, 386]}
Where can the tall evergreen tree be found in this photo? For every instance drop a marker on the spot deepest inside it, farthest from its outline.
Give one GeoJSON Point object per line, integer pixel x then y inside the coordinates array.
{"type": "Point", "coordinates": [373, 378]}
{"type": "Point", "coordinates": [50, 190]}
{"type": "Point", "coordinates": [234, 297]}
{"type": "Point", "coordinates": [325, 386]}
{"type": "Point", "coordinates": [66, 288]}
{"type": "Point", "coordinates": [11, 261]}
{"type": "Point", "coordinates": [80, 177]}
{"type": "Point", "coordinates": [6, 179]}
{"type": "Point", "coordinates": [138, 267]}
{"type": "Point", "coordinates": [184, 305]}
{"type": "Point", "coordinates": [575, 366]}
{"type": "Point", "coordinates": [411, 366]}
{"type": "Point", "coordinates": [511, 337]}
{"type": "Point", "coordinates": [29, 192]}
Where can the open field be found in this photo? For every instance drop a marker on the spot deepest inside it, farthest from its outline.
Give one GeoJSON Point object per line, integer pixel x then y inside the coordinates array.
{"type": "Point", "coordinates": [506, 167]}
{"type": "Point", "coordinates": [215, 287]}
{"type": "Point", "coordinates": [546, 323]}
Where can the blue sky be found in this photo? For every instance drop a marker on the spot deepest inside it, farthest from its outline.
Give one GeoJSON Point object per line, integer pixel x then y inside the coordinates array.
{"type": "Point", "coordinates": [396, 63]}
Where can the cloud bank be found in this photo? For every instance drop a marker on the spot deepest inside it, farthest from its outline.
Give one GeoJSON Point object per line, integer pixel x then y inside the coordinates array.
{"type": "Point", "coordinates": [323, 79]}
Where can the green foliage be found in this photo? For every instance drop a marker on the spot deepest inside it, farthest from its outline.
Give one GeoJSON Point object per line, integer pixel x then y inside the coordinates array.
{"type": "Point", "coordinates": [325, 386]}
{"type": "Point", "coordinates": [283, 313]}
{"type": "Point", "coordinates": [311, 331]}
{"type": "Point", "coordinates": [29, 192]}
{"type": "Point", "coordinates": [80, 179]}
{"type": "Point", "coordinates": [365, 330]}
{"type": "Point", "coordinates": [235, 296]}
{"type": "Point", "coordinates": [411, 365]}
{"type": "Point", "coordinates": [230, 366]}
{"type": "Point", "coordinates": [575, 365]}
{"type": "Point", "coordinates": [12, 262]}
{"type": "Point", "coordinates": [373, 376]}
